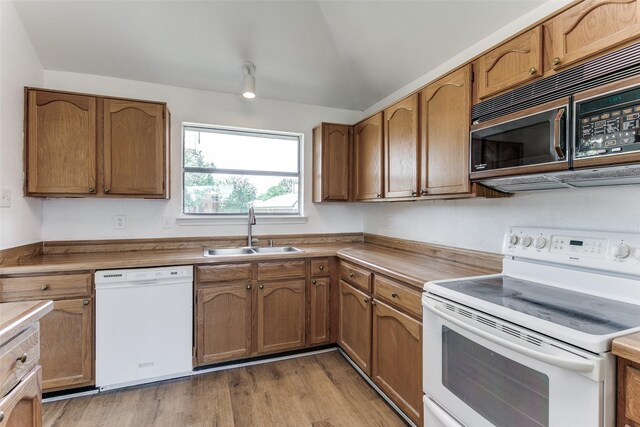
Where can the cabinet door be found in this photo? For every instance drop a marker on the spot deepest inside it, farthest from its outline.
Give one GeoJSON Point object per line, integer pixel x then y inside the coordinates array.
{"type": "Point", "coordinates": [628, 412]}
{"type": "Point", "coordinates": [60, 144]}
{"type": "Point", "coordinates": [589, 28]}
{"type": "Point", "coordinates": [336, 154]}
{"type": "Point", "coordinates": [281, 316]}
{"type": "Point", "coordinates": [446, 115]}
{"type": "Point", "coordinates": [319, 314]}
{"type": "Point", "coordinates": [134, 148]}
{"type": "Point", "coordinates": [367, 171]}
{"type": "Point", "coordinates": [22, 407]}
{"type": "Point", "coordinates": [355, 325]}
{"type": "Point", "coordinates": [66, 345]}
{"type": "Point", "coordinates": [223, 325]}
{"type": "Point", "coordinates": [397, 358]}
{"type": "Point", "coordinates": [401, 148]}
{"type": "Point", "coordinates": [513, 63]}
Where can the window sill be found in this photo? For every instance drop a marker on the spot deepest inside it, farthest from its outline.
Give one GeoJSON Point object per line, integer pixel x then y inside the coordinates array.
{"type": "Point", "coordinates": [234, 220]}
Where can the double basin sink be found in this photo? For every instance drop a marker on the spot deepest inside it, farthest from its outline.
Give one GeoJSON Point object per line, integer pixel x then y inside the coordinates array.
{"type": "Point", "coordinates": [210, 252]}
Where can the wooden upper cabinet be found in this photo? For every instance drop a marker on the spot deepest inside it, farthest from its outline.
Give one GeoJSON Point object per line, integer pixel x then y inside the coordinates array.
{"type": "Point", "coordinates": [368, 167]}
{"type": "Point", "coordinates": [82, 145]}
{"type": "Point", "coordinates": [134, 149]}
{"type": "Point", "coordinates": [588, 29]}
{"type": "Point", "coordinates": [513, 63]}
{"type": "Point", "coordinates": [446, 117]}
{"type": "Point", "coordinates": [331, 162]}
{"type": "Point", "coordinates": [61, 140]}
{"type": "Point", "coordinates": [401, 148]}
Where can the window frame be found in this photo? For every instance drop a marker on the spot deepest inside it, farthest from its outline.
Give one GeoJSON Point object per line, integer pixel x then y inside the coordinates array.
{"type": "Point", "coordinates": [202, 217]}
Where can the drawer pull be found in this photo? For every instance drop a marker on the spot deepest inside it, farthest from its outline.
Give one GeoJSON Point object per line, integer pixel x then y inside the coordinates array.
{"type": "Point", "coordinates": [352, 274]}
{"type": "Point", "coordinates": [85, 302]}
{"type": "Point", "coordinates": [22, 359]}
{"type": "Point", "coordinates": [532, 71]}
{"type": "Point", "coordinates": [556, 61]}
{"type": "Point", "coordinates": [44, 287]}
{"type": "Point", "coordinates": [261, 286]}
{"type": "Point", "coordinates": [373, 302]}
{"type": "Point", "coordinates": [366, 300]}
{"type": "Point", "coordinates": [248, 286]}
{"type": "Point", "coordinates": [313, 281]}
{"type": "Point", "coordinates": [1, 416]}
{"type": "Point", "coordinates": [394, 295]}
{"type": "Point", "coordinates": [321, 267]}
{"type": "Point", "coordinates": [107, 189]}
{"type": "Point", "coordinates": [92, 190]}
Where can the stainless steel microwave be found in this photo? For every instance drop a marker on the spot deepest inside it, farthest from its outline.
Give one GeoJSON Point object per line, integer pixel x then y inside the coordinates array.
{"type": "Point", "coordinates": [530, 141]}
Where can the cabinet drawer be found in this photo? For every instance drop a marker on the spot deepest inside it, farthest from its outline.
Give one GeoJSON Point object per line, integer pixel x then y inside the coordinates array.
{"type": "Point", "coordinates": [632, 393]}
{"type": "Point", "coordinates": [45, 287]}
{"type": "Point", "coordinates": [399, 295]}
{"type": "Point", "coordinates": [281, 270]}
{"type": "Point", "coordinates": [18, 356]}
{"type": "Point", "coordinates": [224, 273]}
{"type": "Point", "coordinates": [319, 266]}
{"type": "Point", "coordinates": [356, 275]}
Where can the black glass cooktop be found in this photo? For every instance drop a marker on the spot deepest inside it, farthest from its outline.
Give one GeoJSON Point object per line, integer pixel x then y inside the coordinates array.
{"type": "Point", "coordinates": [582, 312]}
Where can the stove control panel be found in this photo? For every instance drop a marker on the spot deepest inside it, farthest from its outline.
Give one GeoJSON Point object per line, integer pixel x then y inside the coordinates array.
{"type": "Point", "coordinates": [619, 252]}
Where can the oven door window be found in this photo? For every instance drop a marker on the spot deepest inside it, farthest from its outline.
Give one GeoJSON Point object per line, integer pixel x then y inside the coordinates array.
{"type": "Point", "coordinates": [503, 391]}
{"type": "Point", "coordinates": [522, 142]}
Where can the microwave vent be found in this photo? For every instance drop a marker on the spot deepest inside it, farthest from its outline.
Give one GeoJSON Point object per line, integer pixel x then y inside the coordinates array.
{"type": "Point", "coordinates": [609, 68]}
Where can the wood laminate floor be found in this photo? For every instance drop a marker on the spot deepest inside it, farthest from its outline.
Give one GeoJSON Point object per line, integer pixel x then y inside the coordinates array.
{"type": "Point", "coordinates": [319, 390]}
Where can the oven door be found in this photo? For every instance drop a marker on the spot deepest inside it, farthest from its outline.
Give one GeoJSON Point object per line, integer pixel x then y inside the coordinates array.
{"type": "Point", "coordinates": [480, 371]}
{"type": "Point", "coordinates": [529, 141]}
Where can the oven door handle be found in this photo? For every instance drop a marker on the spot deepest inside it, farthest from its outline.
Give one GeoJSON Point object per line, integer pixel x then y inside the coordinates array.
{"type": "Point", "coordinates": [560, 362]}
{"type": "Point", "coordinates": [442, 415]}
{"type": "Point", "coordinates": [556, 133]}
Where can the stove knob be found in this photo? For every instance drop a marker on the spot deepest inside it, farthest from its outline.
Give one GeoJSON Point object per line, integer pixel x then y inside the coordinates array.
{"type": "Point", "coordinates": [541, 242]}
{"type": "Point", "coordinates": [526, 241]}
{"type": "Point", "coordinates": [513, 240]}
{"type": "Point", "coordinates": [636, 253]}
{"type": "Point", "coordinates": [621, 251]}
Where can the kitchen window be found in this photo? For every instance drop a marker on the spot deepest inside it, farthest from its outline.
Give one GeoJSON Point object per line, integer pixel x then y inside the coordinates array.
{"type": "Point", "coordinates": [227, 170]}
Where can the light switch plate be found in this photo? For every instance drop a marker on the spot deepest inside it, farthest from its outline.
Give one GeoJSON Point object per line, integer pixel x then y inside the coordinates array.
{"type": "Point", "coordinates": [5, 198]}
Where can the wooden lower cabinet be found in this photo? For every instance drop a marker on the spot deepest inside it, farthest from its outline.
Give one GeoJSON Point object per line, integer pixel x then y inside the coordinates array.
{"type": "Point", "coordinates": [628, 413]}
{"type": "Point", "coordinates": [22, 407]}
{"type": "Point", "coordinates": [355, 325]}
{"type": "Point", "coordinates": [396, 365]}
{"type": "Point", "coordinates": [281, 316]}
{"type": "Point", "coordinates": [66, 345]}
{"type": "Point", "coordinates": [223, 323]}
{"type": "Point", "coordinates": [319, 309]}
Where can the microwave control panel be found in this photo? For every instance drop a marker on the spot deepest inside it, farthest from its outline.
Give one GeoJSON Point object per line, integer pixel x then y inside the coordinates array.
{"type": "Point", "coordinates": [609, 124]}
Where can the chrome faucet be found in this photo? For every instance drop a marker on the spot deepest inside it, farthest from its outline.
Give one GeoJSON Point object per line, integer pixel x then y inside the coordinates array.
{"type": "Point", "coordinates": [252, 222]}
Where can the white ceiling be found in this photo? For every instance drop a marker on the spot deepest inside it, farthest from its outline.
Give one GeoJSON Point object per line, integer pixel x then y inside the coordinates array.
{"type": "Point", "coordinates": [345, 54]}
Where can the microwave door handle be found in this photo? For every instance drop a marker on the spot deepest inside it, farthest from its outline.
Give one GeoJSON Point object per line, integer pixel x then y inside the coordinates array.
{"type": "Point", "coordinates": [561, 362]}
{"type": "Point", "coordinates": [556, 133]}
{"type": "Point", "coordinates": [442, 415]}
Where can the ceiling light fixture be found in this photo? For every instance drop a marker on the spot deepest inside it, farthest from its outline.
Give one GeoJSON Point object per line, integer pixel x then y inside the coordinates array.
{"type": "Point", "coordinates": [249, 81]}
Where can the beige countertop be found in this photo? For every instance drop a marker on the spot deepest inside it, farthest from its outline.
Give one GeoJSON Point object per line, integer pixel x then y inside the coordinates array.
{"type": "Point", "coordinates": [16, 316]}
{"type": "Point", "coordinates": [627, 347]}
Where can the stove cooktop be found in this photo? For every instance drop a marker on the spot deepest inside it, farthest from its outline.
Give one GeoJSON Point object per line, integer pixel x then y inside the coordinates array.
{"type": "Point", "coordinates": [579, 311]}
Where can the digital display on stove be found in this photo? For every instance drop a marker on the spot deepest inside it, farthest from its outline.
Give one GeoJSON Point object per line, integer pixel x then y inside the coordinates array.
{"type": "Point", "coordinates": [576, 242]}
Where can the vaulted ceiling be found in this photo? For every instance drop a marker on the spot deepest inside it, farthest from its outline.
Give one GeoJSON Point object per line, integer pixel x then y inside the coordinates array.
{"type": "Point", "coordinates": [346, 54]}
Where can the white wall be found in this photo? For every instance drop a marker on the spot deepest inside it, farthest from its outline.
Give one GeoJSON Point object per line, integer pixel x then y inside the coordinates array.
{"type": "Point", "coordinates": [70, 219]}
{"type": "Point", "coordinates": [481, 223]}
{"type": "Point", "coordinates": [19, 66]}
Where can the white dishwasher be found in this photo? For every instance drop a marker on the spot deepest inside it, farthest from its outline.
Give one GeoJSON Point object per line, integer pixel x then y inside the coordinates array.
{"type": "Point", "coordinates": [143, 325]}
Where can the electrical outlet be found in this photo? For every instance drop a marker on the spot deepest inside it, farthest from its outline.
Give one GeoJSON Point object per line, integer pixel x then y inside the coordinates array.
{"type": "Point", "coordinates": [5, 198]}
{"type": "Point", "coordinates": [121, 222]}
{"type": "Point", "coordinates": [167, 222]}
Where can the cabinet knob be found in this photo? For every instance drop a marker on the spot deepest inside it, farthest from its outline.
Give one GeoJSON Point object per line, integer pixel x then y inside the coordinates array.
{"type": "Point", "coordinates": [107, 189]}
{"type": "Point", "coordinates": [352, 274]}
{"type": "Point", "coordinates": [85, 302]}
{"type": "Point", "coordinates": [22, 359]}
{"type": "Point", "coordinates": [248, 286]}
{"type": "Point", "coordinates": [321, 267]}
{"type": "Point", "coordinates": [413, 193]}
{"type": "Point", "coordinates": [378, 195]}
{"type": "Point", "coordinates": [92, 190]}
{"type": "Point", "coordinates": [373, 302]}
{"type": "Point", "coordinates": [533, 71]}
{"type": "Point", "coordinates": [313, 281]}
{"type": "Point", "coordinates": [326, 197]}
{"type": "Point", "coordinates": [394, 295]}
{"type": "Point", "coordinates": [423, 192]}
{"type": "Point", "coordinates": [1, 416]}
{"type": "Point", "coordinates": [366, 300]}
{"type": "Point", "coordinates": [556, 61]}
{"type": "Point", "coordinates": [44, 287]}
{"type": "Point", "coordinates": [261, 286]}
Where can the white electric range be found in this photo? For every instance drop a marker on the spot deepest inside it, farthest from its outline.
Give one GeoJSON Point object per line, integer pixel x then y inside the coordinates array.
{"type": "Point", "coordinates": [531, 346]}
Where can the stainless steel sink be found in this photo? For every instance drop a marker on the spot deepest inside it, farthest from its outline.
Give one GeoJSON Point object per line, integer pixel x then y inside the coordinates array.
{"type": "Point", "coordinates": [276, 249]}
{"type": "Point", "coordinates": [227, 251]}
{"type": "Point", "coordinates": [249, 251]}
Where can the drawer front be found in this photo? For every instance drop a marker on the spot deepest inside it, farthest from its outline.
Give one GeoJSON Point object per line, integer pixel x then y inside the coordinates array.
{"type": "Point", "coordinates": [45, 287]}
{"type": "Point", "coordinates": [356, 276]}
{"type": "Point", "coordinates": [224, 273]}
{"type": "Point", "coordinates": [319, 266]}
{"type": "Point", "coordinates": [18, 357]}
{"type": "Point", "coordinates": [281, 270]}
{"type": "Point", "coordinates": [399, 295]}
